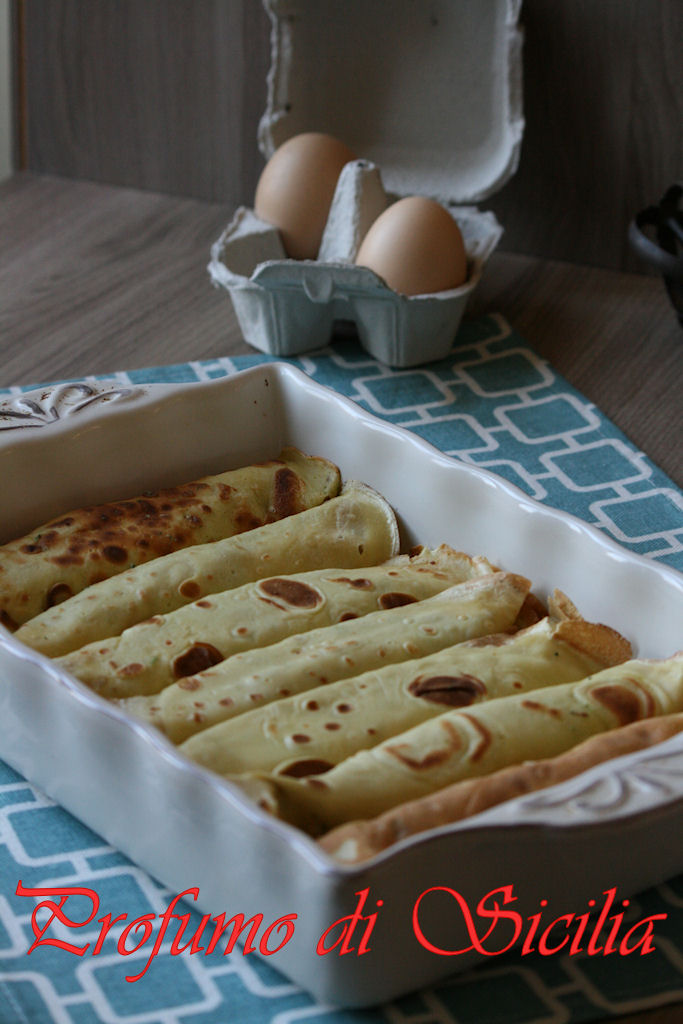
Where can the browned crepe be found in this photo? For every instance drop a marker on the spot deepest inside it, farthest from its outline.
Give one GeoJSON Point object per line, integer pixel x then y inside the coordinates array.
{"type": "Point", "coordinates": [152, 655]}
{"type": "Point", "coordinates": [477, 741]}
{"type": "Point", "coordinates": [81, 547]}
{"type": "Point", "coordinates": [356, 528]}
{"type": "Point", "coordinates": [359, 840]}
{"type": "Point", "coordinates": [254, 678]}
{"type": "Point", "coordinates": [307, 733]}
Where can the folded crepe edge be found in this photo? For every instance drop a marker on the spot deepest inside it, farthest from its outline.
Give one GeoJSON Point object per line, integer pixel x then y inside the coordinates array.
{"type": "Point", "coordinates": [358, 486]}
{"type": "Point", "coordinates": [291, 456]}
{"type": "Point", "coordinates": [602, 643]}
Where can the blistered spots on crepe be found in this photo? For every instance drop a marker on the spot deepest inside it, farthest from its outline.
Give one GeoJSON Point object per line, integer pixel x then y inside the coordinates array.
{"type": "Point", "coordinates": [115, 553]}
{"type": "Point", "coordinates": [246, 520]}
{"type": "Point", "coordinates": [484, 734]}
{"type": "Point", "coordinates": [623, 703]}
{"type": "Point", "coordinates": [395, 600]}
{"type": "Point", "coordinates": [157, 523]}
{"type": "Point", "coordinates": [195, 659]}
{"type": "Point", "coordinates": [57, 593]}
{"type": "Point", "coordinates": [358, 584]}
{"type": "Point", "coordinates": [535, 705]}
{"type": "Point", "coordinates": [189, 589]}
{"type": "Point", "coordinates": [42, 542]}
{"type": "Point", "coordinates": [290, 593]}
{"type": "Point", "coordinates": [453, 691]}
{"type": "Point", "coordinates": [133, 669]}
{"type": "Point", "coordinates": [68, 560]}
{"type": "Point", "coordinates": [287, 487]}
{"type": "Point", "coordinates": [189, 683]}
{"type": "Point", "coordinates": [434, 757]}
{"type": "Point", "coordinates": [301, 769]}
{"type": "Point", "coordinates": [347, 616]}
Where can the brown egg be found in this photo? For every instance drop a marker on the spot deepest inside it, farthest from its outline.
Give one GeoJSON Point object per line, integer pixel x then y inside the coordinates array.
{"type": "Point", "coordinates": [416, 247]}
{"type": "Point", "coordinates": [296, 188]}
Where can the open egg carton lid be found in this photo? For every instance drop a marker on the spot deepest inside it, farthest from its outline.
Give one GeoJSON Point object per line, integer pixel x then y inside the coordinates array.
{"type": "Point", "coordinates": [430, 95]}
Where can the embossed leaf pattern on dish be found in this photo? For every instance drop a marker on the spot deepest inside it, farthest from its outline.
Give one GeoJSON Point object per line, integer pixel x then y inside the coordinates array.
{"type": "Point", "coordinates": [56, 402]}
{"type": "Point", "coordinates": [658, 774]}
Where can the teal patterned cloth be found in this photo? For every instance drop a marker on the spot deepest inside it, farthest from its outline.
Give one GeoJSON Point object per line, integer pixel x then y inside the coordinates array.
{"type": "Point", "coordinates": [493, 403]}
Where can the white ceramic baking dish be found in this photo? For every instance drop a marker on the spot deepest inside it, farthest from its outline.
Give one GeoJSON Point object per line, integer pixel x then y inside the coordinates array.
{"type": "Point", "coordinates": [72, 444]}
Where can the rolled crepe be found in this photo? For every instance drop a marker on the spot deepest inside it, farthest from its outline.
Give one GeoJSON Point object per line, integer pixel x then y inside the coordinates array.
{"type": "Point", "coordinates": [488, 604]}
{"type": "Point", "coordinates": [152, 655]}
{"type": "Point", "coordinates": [309, 733]}
{"type": "Point", "coordinates": [357, 528]}
{"type": "Point", "coordinates": [79, 548]}
{"type": "Point", "coordinates": [360, 840]}
{"type": "Point", "coordinates": [470, 743]}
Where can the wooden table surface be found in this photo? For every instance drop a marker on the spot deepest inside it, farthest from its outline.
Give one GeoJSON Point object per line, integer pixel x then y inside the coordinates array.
{"type": "Point", "coordinates": [95, 279]}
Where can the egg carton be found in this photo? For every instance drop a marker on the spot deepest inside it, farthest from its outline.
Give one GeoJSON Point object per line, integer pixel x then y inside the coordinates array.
{"type": "Point", "coordinates": [450, 128]}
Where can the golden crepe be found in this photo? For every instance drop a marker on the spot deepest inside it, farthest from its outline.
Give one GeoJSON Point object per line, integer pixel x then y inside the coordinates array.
{"type": "Point", "coordinates": [90, 544]}
{"type": "Point", "coordinates": [356, 528]}
{"type": "Point", "coordinates": [462, 744]}
{"type": "Point", "coordinates": [488, 604]}
{"type": "Point", "coordinates": [309, 733]}
{"type": "Point", "coordinates": [152, 655]}
{"type": "Point", "coordinates": [359, 840]}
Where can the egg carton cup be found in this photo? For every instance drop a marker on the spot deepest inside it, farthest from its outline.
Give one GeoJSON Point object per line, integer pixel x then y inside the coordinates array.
{"type": "Point", "coordinates": [429, 93]}
{"type": "Point", "coordinates": [286, 307]}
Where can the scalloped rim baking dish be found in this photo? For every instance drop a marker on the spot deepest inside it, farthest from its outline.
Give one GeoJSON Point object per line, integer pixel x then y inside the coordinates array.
{"type": "Point", "coordinates": [67, 445]}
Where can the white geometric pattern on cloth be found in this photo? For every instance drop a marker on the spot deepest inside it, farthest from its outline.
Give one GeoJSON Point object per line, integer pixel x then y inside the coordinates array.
{"type": "Point", "coordinates": [492, 403]}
